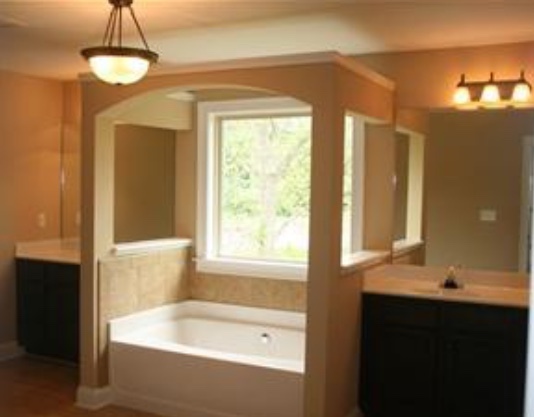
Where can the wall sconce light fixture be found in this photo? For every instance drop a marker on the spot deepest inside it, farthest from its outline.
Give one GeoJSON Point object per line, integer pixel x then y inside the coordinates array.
{"type": "Point", "coordinates": [492, 93]}
{"type": "Point", "coordinates": [114, 63]}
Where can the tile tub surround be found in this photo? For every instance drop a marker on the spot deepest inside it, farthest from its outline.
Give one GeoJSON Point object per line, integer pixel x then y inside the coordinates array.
{"type": "Point", "coordinates": [482, 287]}
{"type": "Point", "coordinates": [249, 291]}
{"type": "Point", "coordinates": [132, 283]}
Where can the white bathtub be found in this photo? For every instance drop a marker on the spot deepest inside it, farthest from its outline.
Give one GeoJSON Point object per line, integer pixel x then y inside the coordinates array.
{"type": "Point", "coordinates": [201, 359]}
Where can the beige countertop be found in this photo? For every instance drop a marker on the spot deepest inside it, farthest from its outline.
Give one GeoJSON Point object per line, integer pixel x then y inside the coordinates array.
{"type": "Point", "coordinates": [481, 287]}
{"type": "Point", "coordinates": [58, 250]}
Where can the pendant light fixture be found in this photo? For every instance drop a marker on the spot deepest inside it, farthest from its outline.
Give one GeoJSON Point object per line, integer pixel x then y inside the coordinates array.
{"type": "Point", "coordinates": [114, 63]}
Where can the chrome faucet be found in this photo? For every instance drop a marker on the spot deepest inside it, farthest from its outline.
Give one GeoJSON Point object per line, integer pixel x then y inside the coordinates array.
{"type": "Point", "coordinates": [451, 279]}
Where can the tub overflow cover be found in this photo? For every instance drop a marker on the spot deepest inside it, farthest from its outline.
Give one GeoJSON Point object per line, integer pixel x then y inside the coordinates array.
{"type": "Point", "coordinates": [265, 338]}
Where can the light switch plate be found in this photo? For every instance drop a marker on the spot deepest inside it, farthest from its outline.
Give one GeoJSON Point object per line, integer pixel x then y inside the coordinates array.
{"type": "Point", "coordinates": [488, 215]}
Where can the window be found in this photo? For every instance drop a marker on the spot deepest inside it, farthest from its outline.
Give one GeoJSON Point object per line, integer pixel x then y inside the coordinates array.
{"type": "Point", "coordinates": [254, 187]}
{"type": "Point", "coordinates": [353, 185]}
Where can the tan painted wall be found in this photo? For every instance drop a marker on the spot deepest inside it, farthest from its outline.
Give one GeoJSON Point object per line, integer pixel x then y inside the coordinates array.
{"type": "Point", "coordinates": [186, 182]}
{"type": "Point", "coordinates": [413, 120]}
{"type": "Point", "coordinates": [379, 200]}
{"type": "Point", "coordinates": [427, 79]}
{"type": "Point", "coordinates": [474, 162]}
{"type": "Point", "coordinates": [30, 132]}
{"type": "Point", "coordinates": [330, 88]}
{"type": "Point", "coordinates": [144, 183]}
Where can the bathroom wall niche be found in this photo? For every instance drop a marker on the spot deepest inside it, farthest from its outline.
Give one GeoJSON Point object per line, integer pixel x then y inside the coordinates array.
{"type": "Point", "coordinates": [144, 183]}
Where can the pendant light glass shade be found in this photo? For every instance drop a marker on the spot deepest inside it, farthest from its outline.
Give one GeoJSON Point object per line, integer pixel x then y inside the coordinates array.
{"type": "Point", "coordinates": [490, 93]}
{"type": "Point", "coordinates": [114, 63]}
{"type": "Point", "coordinates": [462, 95]}
{"type": "Point", "coordinates": [522, 90]}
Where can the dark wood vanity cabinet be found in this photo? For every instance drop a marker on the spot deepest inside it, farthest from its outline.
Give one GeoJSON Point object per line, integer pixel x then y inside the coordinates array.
{"type": "Point", "coordinates": [424, 358]}
{"type": "Point", "coordinates": [48, 308]}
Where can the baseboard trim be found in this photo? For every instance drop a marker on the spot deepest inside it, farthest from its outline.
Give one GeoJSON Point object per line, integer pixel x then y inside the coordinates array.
{"type": "Point", "coordinates": [10, 350]}
{"type": "Point", "coordinates": [356, 412]}
{"type": "Point", "coordinates": [91, 398]}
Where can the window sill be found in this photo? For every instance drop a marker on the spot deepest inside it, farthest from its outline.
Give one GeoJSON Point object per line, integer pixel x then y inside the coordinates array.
{"type": "Point", "coordinates": [256, 269]}
{"type": "Point", "coordinates": [144, 246]}
{"type": "Point", "coordinates": [402, 247]}
{"type": "Point", "coordinates": [362, 260]}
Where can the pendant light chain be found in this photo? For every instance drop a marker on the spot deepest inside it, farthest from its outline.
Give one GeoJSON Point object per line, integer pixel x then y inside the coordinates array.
{"type": "Point", "coordinates": [138, 27]}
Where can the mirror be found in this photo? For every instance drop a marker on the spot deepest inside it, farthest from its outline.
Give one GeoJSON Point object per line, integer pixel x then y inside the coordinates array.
{"type": "Point", "coordinates": [477, 188]}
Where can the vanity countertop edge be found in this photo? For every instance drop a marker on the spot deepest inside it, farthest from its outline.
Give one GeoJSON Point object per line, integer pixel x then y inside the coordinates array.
{"type": "Point", "coordinates": [65, 251]}
{"type": "Point", "coordinates": [390, 280]}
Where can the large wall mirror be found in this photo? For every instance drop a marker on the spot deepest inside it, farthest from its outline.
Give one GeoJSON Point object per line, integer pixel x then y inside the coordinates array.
{"type": "Point", "coordinates": [478, 176]}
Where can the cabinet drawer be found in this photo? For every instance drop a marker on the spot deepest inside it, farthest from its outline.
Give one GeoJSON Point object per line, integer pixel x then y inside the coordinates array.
{"type": "Point", "coordinates": [482, 318]}
{"type": "Point", "coordinates": [401, 311]}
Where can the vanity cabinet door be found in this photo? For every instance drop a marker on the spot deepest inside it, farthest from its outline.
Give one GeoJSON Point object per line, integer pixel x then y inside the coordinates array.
{"type": "Point", "coordinates": [48, 308]}
{"type": "Point", "coordinates": [399, 367]}
{"type": "Point", "coordinates": [482, 361]}
{"type": "Point", "coordinates": [62, 314]}
{"type": "Point", "coordinates": [31, 306]}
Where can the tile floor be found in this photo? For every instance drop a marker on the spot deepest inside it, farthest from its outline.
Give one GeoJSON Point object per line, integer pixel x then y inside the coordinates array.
{"type": "Point", "coordinates": [32, 388]}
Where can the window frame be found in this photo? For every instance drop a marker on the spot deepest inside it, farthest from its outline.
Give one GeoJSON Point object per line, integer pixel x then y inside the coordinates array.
{"type": "Point", "coordinates": [358, 186]}
{"type": "Point", "coordinates": [208, 182]}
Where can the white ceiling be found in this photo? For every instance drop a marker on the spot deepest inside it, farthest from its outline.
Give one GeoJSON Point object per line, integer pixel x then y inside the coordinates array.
{"type": "Point", "coordinates": [43, 37]}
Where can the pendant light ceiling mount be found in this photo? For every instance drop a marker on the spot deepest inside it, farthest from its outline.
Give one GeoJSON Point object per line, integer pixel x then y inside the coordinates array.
{"type": "Point", "coordinates": [114, 63]}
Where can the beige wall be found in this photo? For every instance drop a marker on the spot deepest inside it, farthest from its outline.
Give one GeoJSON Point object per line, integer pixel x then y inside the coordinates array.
{"type": "Point", "coordinates": [186, 183]}
{"type": "Point", "coordinates": [427, 79]}
{"type": "Point", "coordinates": [144, 183]}
{"type": "Point", "coordinates": [30, 132]}
{"type": "Point", "coordinates": [379, 199]}
{"type": "Point", "coordinates": [474, 162]}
